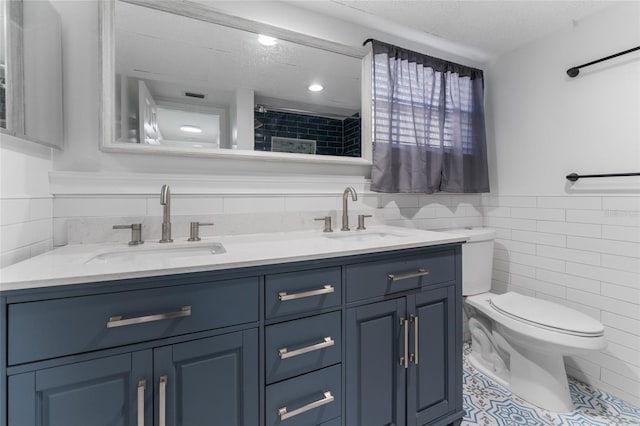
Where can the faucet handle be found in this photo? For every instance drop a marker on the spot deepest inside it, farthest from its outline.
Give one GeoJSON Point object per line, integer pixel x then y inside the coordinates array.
{"type": "Point", "coordinates": [327, 223]}
{"type": "Point", "coordinates": [361, 217]}
{"type": "Point", "coordinates": [195, 230]}
{"type": "Point", "coordinates": [136, 233]}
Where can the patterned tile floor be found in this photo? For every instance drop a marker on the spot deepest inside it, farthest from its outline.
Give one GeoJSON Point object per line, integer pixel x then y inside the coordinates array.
{"type": "Point", "coordinates": [490, 404]}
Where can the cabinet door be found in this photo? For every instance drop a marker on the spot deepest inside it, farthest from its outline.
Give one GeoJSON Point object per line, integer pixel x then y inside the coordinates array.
{"type": "Point", "coordinates": [100, 392]}
{"type": "Point", "coordinates": [431, 379]}
{"type": "Point", "coordinates": [212, 381]}
{"type": "Point", "coordinates": [375, 380]}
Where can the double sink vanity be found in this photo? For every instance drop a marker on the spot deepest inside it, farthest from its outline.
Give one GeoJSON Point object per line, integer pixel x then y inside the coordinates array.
{"type": "Point", "coordinates": [295, 328]}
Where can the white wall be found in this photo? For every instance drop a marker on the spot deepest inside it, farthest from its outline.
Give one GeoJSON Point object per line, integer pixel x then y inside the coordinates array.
{"type": "Point", "coordinates": [25, 202]}
{"type": "Point", "coordinates": [545, 125]}
{"type": "Point", "coordinates": [578, 245]}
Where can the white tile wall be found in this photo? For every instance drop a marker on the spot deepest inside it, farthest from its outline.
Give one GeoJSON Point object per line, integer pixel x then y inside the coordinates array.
{"type": "Point", "coordinates": [583, 252]}
{"type": "Point", "coordinates": [26, 207]}
{"type": "Point", "coordinates": [90, 218]}
{"type": "Point", "coordinates": [26, 228]}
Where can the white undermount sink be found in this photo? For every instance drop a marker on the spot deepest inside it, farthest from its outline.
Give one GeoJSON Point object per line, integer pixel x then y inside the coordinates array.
{"type": "Point", "coordinates": [156, 252]}
{"type": "Point", "coordinates": [363, 236]}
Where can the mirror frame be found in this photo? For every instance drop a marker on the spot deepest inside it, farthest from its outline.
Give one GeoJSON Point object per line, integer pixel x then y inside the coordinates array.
{"type": "Point", "coordinates": [15, 97]}
{"type": "Point", "coordinates": [203, 13]}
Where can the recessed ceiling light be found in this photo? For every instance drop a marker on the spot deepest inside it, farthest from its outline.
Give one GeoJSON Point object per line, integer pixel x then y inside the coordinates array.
{"type": "Point", "coordinates": [189, 128]}
{"type": "Point", "coordinates": [316, 87]}
{"type": "Point", "coordinates": [266, 40]}
{"type": "Point", "coordinates": [197, 145]}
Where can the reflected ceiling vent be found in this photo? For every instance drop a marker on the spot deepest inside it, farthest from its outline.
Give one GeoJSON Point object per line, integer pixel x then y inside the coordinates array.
{"type": "Point", "coordinates": [194, 95]}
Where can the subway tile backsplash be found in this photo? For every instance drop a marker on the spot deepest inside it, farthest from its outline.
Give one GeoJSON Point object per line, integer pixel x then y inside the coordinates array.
{"type": "Point", "coordinates": [26, 227]}
{"type": "Point", "coordinates": [85, 219]}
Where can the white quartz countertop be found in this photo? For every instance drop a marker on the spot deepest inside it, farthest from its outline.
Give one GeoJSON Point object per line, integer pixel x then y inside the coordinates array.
{"type": "Point", "coordinates": [80, 263]}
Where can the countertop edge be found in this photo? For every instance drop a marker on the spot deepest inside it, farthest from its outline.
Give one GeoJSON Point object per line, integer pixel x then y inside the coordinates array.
{"type": "Point", "coordinates": [7, 288]}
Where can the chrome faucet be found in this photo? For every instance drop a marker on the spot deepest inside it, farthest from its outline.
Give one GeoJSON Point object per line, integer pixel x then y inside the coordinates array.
{"type": "Point", "coordinates": [165, 200]}
{"type": "Point", "coordinates": [345, 209]}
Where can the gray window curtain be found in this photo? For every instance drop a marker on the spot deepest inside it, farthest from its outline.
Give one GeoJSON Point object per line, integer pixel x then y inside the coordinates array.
{"type": "Point", "coordinates": [428, 124]}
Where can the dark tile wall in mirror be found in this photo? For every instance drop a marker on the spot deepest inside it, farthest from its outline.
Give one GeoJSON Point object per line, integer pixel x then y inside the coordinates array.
{"type": "Point", "coordinates": [332, 136]}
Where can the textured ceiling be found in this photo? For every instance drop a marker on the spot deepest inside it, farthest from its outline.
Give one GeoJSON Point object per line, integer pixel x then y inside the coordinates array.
{"type": "Point", "coordinates": [492, 27]}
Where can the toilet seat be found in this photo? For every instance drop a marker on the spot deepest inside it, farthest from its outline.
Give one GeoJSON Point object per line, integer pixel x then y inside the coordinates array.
{"type": "Point", "coordinates": [547, 315]}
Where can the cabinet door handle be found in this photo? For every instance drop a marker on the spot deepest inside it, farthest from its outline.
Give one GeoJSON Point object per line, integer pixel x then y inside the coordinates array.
{"type": "Point", "coordinates": [416, 335]}
{"type": "Point", "coordinates": [162, 401]}
{"type": "Point", "coordinates": [404, 360]}
{"type": "Point", "coordinates": [142, 386]}
{"type": "Point", "coordinates": [324, 290]}
{"type": "Point", "coordinates": [118, 321]}
{"type": "Point", "coordinates": [419, 273]}
{"type": "Point", "coordinates": [284, 414]}
{"type": "Point", "coordinates": [284, 353]}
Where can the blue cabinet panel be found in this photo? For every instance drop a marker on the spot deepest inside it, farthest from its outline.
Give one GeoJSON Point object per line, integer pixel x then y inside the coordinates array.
{"type": "Point", "coordinates": [375, 380]}
{"type": "Point", "coordinates": [307, 396]}
{"type": "Point", "coordinates": [22, 399]}
{"type": "Point", "coordinates": [301, 283]}
{"type": "Point", "coordinates": [431, 381]}
{"type": "Point", "coordinates": [53, 328]}
{"type": "Point", "coordinates": [100, 392]}
{"type": "Point", "coordinates": [210, 381]}
{"type": "Point", "coordinates": [301, 335]}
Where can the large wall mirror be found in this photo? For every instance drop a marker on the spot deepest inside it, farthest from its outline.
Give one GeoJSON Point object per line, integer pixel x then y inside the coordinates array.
{"type": "Point", "coordinates": [184, 78]}
{"type": "Point", "coordinates": [31, 71]}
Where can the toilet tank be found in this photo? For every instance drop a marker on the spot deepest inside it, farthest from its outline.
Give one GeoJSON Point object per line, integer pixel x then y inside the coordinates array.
{"type": "Point", "coordinates": [477, 259]}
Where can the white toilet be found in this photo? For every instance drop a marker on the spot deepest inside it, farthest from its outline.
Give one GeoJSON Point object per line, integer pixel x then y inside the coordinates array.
{"type": "Point", "coordinates": [519, 341]}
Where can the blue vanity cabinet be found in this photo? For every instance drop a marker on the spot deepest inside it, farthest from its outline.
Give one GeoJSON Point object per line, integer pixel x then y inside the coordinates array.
{"type": "Point", "coordinates": [126, 353]}
{"type": "Point", "coordinates": [403, 353]}
{"type": "Point", "coordinates": [303, 347]}
{"type": "Point", "coordinates": [400, 360]}
{"type": "Point", "coordinates": [214, 378]}
{"type": "Point", "coordinates": [361, 340]}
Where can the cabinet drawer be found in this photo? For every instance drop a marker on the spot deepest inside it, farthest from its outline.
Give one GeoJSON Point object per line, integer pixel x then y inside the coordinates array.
{"type": "Point", "coordinates": [371, 279]}
{"type": "Point", "coordinates": [309, 400]}
{"type": "Point", "coordinates": [302, 291]}
{"type": "Point", "coordinates": [53, 328]}
{"type": "Point", "coordinates": [303, 345]}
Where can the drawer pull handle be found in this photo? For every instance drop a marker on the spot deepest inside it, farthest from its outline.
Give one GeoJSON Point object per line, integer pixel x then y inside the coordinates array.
{"type": "Point", "coordinates": [142, 386]}
{"type": "Point", "coordinates": [420, 273]}
{"type": "Point", "coordinates": [416, 336]}
{"type": "Point", "coordinates": [284, 414]}
{"type": "Point", "coordinates": [284, 353]}
{"type": "Point", "coordinates": [118, 321]}
{"type": "Point", "coordinates": [162, 401]}
{"type": "Point", "coordinates": [324, 290]}
{"type": "Point", "coordinates": [404, 360]}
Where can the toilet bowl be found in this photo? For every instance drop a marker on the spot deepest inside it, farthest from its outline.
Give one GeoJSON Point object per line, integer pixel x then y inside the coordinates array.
{"type": "Point", "coordinates": [517, 340]}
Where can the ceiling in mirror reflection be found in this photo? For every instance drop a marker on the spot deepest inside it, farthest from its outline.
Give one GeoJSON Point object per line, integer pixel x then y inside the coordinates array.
{"type": "Point", "coordinates": [159, 46]}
